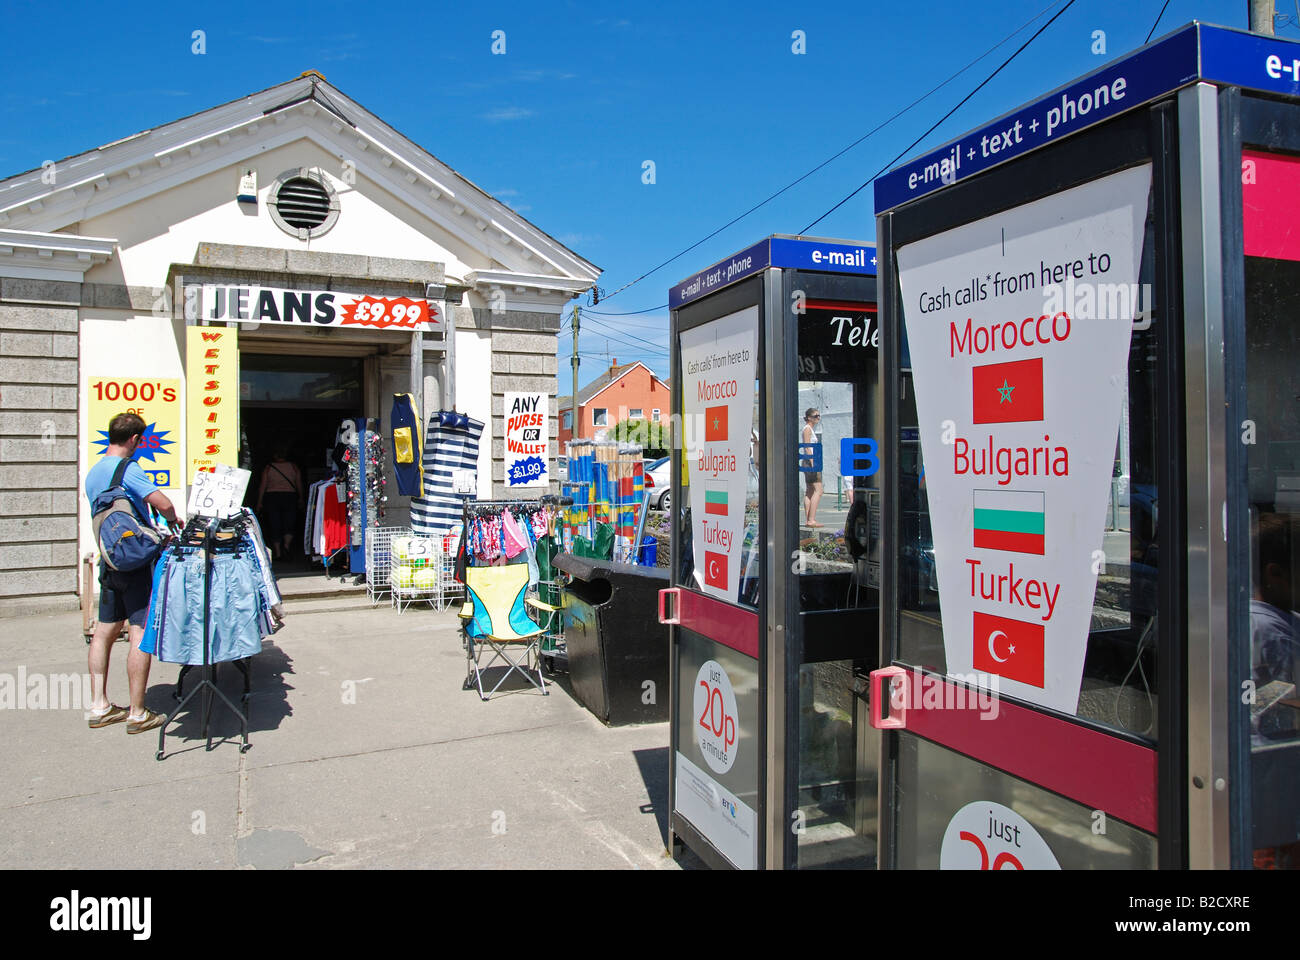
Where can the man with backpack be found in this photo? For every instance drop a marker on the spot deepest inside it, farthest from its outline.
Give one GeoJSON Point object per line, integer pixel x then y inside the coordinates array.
{"type": "Point", "coordinates": [124, 594]}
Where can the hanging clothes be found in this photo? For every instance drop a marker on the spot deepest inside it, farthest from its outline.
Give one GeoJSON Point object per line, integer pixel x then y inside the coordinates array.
{"type": "Point", "coordinates": [513, 539]}
{"type": "Point", "coordinates": [408, 465]}
{"type": "Point", "coordinates": [236, 584]}
{"type": "Point", "coordinates": [326, 527]}
{"type": "Point", "coordinates": [334, 519]}
{"type": "Point", "coordinates": [451, 445]}
{"type": "Point", "coordinates": [268, 586]}
{"type": "Point", "coordinates": [503, 532]}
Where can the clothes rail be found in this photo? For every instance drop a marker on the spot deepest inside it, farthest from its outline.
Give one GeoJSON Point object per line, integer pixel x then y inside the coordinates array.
{"type": "Point", "coordinates": [208, 685]}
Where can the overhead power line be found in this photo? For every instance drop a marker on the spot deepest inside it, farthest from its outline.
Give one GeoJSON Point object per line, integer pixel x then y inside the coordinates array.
{"type": "Point", "coordinates": [660, 346]}
{"type": "Point", "coordinates": [841, 153]}
{"type": "Point", "coordinates": [935, 126]}
{"type": "Point", "coordinates": [627, 313]}
{"type": "Point", "coordinates": [1157, 23]}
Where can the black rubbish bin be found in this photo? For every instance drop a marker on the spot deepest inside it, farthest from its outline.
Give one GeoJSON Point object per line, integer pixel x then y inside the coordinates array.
{"type": "Point", "coordinates": [618, 649]}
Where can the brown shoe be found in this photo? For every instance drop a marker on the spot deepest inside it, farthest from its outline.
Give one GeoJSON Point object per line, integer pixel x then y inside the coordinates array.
{"type": "Point", "coordinates": [115, 714]}
{"type": "Point", "coordinates": [148, 722]}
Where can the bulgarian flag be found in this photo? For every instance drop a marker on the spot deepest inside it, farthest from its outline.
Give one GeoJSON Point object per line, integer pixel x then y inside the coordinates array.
{"type": "Point", "coordinates": [1010, 520]}
{"type": "Point", "coordinates": [715, 500]}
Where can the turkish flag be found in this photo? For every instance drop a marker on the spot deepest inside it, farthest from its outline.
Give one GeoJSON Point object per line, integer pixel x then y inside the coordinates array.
{"type": "Point", "coordinates": [1008, 392]}
{"type": "Point", "coordinates": [715, 569]}
{"type": "Point", "coordinates": [1009, 648]}
{"type": "Point", "coordinates": [715, 423]}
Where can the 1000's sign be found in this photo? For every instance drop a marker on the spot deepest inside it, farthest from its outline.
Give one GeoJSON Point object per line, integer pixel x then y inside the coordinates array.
{"type": "Point", "coordinates": [157, 402]}
{"type": "Point", "coordinates": [324, 308]}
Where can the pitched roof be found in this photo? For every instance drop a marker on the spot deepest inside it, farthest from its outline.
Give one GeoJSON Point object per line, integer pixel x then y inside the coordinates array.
{"type": "Point", "coordinates": [603, 381]}
{"type": "Point", "coordinates": [113, 175]}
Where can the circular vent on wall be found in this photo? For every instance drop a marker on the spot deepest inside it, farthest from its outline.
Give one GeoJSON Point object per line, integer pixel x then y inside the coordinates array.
{"type": "Point", "coordinates": [303, 203]}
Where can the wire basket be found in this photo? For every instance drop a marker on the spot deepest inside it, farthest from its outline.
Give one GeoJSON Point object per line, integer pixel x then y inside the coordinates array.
{"type": "Point", "coordinates": [416, 572]}
{"type": "Point", "coordinates": [449, 588]}
{"type": "Point", "coordinates": [379, 560]}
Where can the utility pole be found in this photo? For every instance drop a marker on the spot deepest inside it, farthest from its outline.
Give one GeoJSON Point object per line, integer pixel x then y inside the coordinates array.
{"type": "Point", "coordinates": [1261, 17]}
{"type": "Point", "coordinates": [573, 434]}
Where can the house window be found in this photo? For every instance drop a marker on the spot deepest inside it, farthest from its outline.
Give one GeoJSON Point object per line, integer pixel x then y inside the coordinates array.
{"type": "Point", "coordinates": [599, 417]}
{"type": "Point", "coordinates": [567, 420]}
{"type": "Point", "coordinates": [654, 414]}
{"type": "Point", "coordinates": [636, 413]}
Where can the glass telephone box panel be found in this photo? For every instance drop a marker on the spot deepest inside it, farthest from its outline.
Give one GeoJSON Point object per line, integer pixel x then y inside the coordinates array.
{"type": "Point", "coordinates": [837, 569]}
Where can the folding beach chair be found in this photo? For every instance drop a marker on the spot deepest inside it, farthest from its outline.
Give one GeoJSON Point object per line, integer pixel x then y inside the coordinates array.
{"type": "Point", "coordinates": [498, 618]}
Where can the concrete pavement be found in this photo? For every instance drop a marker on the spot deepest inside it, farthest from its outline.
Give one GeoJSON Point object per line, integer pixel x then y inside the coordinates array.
{"type": "Point", "coordinates": [365, 752]}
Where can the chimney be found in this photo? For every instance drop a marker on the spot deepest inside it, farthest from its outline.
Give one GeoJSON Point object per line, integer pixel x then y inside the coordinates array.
{"type": "Point", "coordinates": [613, 366]}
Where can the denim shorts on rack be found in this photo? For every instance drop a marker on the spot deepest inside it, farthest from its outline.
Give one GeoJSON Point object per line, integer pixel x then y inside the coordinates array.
{"type": "Point", "coordinates": [233, 614]}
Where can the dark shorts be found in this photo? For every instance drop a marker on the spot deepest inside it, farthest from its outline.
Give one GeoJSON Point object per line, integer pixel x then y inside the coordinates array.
{"type": "Point", "coordinates": [124, 596]}
{"type": "Point", "coordinates": [281, 512]}
{"type": "Point", "coordinates": [810, 478]}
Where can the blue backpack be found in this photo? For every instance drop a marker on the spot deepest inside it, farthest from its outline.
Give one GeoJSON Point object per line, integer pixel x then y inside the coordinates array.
{"type": "Point", "coordinates": [126, 542]}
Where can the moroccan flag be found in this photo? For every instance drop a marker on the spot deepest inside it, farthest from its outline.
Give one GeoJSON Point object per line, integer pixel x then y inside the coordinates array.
{"type": "Point", "coordinates": [1008, 392]}
{"type": "Point", "coordinates": [715, 570]}
{"type": "Point", "coordinates": [1009, 648]}
{"type": "Point", "coordinates": [1010, 520]}
{"type": "Point", "coordinates": [715, 501]}
{"type": "Point", "coordinates": [715, 423]}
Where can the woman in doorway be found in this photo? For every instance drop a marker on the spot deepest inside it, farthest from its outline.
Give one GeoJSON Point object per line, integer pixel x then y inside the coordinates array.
{"type": "Point", "coordinates": [812, 495]}
{"type": "Point", "coordinates": [279, 496]}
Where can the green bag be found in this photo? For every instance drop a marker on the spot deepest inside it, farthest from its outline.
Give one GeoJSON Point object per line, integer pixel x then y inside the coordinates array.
{"type": "Point", "coordinates": [604, 545]}
{"type": "Point", "coordinates": [547, 591]}
{"type": "Point", "coordinates": [600, 548]}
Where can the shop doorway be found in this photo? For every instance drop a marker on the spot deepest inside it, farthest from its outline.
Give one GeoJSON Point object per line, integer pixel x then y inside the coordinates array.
{"type": "Point", "coordinates": [292, 406]}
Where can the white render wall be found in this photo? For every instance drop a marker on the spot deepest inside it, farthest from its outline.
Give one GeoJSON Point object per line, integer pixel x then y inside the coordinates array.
{"type": "Point", "coordinates": [474, 395]}
{"type": "Point", "coordinates": [168, 227]}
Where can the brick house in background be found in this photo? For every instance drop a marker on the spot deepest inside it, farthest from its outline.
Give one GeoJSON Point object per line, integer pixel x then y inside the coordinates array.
{"type": "Point", "coordinates": [631, 391]}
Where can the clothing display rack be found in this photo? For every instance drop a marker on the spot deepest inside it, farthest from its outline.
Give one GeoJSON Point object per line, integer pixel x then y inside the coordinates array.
{"type": "Point", "coordinates": [476, 512]}
{"type": "Point", "coordinates": [366, 496]}
{"type": "Point", "coordinates": [203, 531]}
{"type": "Point", "coordinates": [325, 531]}
{"type": "Point", "coordinates": [539, 552]}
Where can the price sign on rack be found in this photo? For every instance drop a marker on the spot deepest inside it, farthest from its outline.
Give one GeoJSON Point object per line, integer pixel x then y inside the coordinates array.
{"type": "Point", "coordinates": [218, 493]}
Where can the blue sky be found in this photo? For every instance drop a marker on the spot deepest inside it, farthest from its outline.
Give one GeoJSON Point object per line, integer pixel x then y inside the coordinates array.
{"type": "Point", "coordinates": [560, 126]}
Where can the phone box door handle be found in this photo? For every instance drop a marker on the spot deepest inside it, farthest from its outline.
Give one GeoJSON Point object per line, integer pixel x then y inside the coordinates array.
{"type": "Point", "coordinates": [898, 682]}
{"type": "Point", "coordinates": [673, 594]}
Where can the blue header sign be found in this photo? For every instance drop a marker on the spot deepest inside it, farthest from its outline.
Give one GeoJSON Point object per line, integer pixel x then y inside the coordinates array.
{"type": "Point", "coordinates": [832, 256]}
{"type": "Point", "coordinates": [721, 274]}
{"type": "Point", "coordinates": [1195, 52]}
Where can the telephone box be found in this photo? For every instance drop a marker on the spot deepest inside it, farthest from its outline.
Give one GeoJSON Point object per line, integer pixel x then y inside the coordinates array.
{"type": "Point", "coordinates": [774, 599]}
{"type": "Point", "coordinates": [1090, 309]}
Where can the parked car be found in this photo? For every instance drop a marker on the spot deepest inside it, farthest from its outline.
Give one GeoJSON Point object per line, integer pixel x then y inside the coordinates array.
{"type": "Point", "coordinates": [658, 480]}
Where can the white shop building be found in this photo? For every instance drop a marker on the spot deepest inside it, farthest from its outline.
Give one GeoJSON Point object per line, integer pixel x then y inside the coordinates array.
{"type": "Point", "coordinates": [294, 207]}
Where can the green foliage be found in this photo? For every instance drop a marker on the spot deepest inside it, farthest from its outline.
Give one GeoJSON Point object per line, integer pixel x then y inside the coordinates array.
{"type": "Point", "coordinates": [653, 437]}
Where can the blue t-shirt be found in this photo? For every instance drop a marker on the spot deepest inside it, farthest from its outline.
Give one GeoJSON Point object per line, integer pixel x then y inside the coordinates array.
{"type": "Point", "coordinates": [100, 477]}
